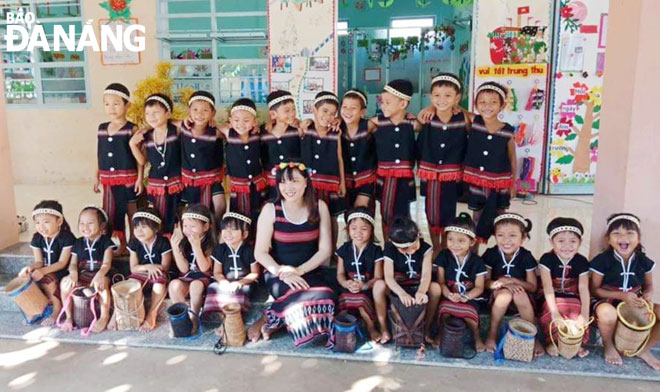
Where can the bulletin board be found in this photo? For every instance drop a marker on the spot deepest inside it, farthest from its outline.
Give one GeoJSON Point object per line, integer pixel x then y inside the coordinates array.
{"type": "Point", "coordinates": [119, 57]}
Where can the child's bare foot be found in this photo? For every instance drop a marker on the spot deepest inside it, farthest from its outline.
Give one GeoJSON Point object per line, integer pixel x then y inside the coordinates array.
{"type": "Point", "coordinates": [650, 359]}
{"type": "Point", "coordinates": [100, 324]}
{"type": "Point", "coordinates": [50, 321]}
{"type": "Point", "coordinates": [490, 345]}
{"type": "Point", "coordinates": [266, 332]}
{"type": "Point", "coordinates": [374, 335]}
{"type": "Point", "coordinates": [112, 325]}
{"type": "Point", "coordinates": [385, 337]}
{"type": "Point", "coordinates": [551, 350]}
{"type": "Point", "coordinates": [67, 326]}
{"type": "Point", "coordinates": [479, 345]}
{"type": "Point", "coordinates": [149, 323]}
{"type": "Point", "coordinates": [539, 351]}
{"type": "Point", "coordinates": [612, 356]}
{"type": "Point", "coordinates": [254, 331]}
{"type": "Point", "coordinates": [583, 352]}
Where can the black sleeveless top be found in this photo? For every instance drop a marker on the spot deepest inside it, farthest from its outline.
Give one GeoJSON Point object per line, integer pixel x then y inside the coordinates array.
{"type": "Point", "coordinates": [276, 150]}
{"type": "Point", "coordinates": [202, 157]}
{"type": "Point", "coordinates": [165, 160]}
{"type": "Point", "coordinates": [117, 165]}
{"type": "Point", "coordinates": [319, 153]}
{"type": "Point", "coordinates": [244, 163]}
{"type": "Point", "coordinates": [359, 153]}
{"type": "Point", "coordinates": [395, 148]}
{"type": "Point", "coordinates": [441, 148]}
{"type": "Point", "coordinates": [487, 158]}
{"type": "Point", "coordinates": [293, 244]}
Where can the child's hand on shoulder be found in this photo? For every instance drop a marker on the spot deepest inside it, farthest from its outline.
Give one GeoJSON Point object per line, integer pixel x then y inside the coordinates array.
{"type": "Point", "coordinates": [138, 137]}
{"type": "Point", "coordinates": [304, 126]}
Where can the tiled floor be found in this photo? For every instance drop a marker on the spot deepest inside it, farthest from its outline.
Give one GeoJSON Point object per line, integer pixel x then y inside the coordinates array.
{"type": "Point", "coordinates": [540, 210]}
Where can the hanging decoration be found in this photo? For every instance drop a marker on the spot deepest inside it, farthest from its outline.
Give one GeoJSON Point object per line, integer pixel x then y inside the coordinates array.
{"type": "Point", "coordinates": [422, 3]}
{"type": "Point", "coordinates": [439, 37]}
{"type": "Point", "coordinates": [118, 9]}
{"type": "Point", "coordinates": [458, 3]}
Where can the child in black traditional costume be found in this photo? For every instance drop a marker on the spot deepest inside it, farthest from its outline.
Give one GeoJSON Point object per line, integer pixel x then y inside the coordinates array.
{"type": "Point", "coordinates": [51, 247]}
{"type": "Point", "coordinates": [117, 171]}
{"type": "Point", "coordinates": [565, 278]}
{"type": "Point", "coordinates": [359, 267]}
{"type": "Point", "coordinates": [90, 264]}
{"type": "Point", "coordinates": [623, 273]}
{"type": "Point", "coordinates": [408, 273]}
{"type": "Point", "coordinates": [462, 276]}
{"type": "Point", "coordinates": [234, 269]}
{"type": "Point", "coordinates": [511, 274]}
{"type": "Point", "coordinates": [202, 169]}
{"type": "Point", "coordinates": [192, 247]}
{"type": "Point", "coordinates": [162, 146]}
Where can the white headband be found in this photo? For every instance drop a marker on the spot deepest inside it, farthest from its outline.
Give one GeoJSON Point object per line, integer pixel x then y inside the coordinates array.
{"type": "Point", "coordinates": [280, 99]}
{"type": "Point", "coordinates": [447, 78]}
{"type": "Point", "coordinates": [624, 217]}
{"type": "Point", "coordinates": [397, 93]}
{"type": "Point", "coordinates": [362, 215]}
{"type": "Point", "coordinates": [359, 94]}
{"type": "Point", "coordinates": [493, 88]}
{"type": "Point", "coordinates": [201, 98]}
{"type": "Point", "coordinates": [404, 245]}
{"type": "Point", "coordinates": [238, 216]}
{"type": "Point", "coordinates": [147, 215]}
{"type": "Point", "coordinates": [324, 97]}
{"type": "Point", "coordinates": [461, 230]}
{"type": "Point", "coordinates": [243, 107]}
{"type": "Point", "coordinates": [559, 229]}
{"type": "Point", "coordinates": [161, 100]}
{"type": "Point", "coordinates": [510, 216]}
{"type": "Point", "coordinates": [97, 208]}
{"type": "Point", "coordinates": [49, 211]}
{"type": "Point", "coordinates": [192, 215]}
{"type": "Point", "coordinates": [117, 93]}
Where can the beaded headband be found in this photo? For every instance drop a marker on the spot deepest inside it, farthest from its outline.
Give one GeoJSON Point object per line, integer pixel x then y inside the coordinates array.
{"type": "Point", "coordinates": [238, 216]}
{"type": "Point", "coordinates": [359, 94]}
{"type": "Point", "coordinates": [627, 217]}
{"type": "Point", "coordinates": [92, 206]}
{"type": "Point", "coordinates": [243, 107]}
{"type": "Point", "coordinates": [461, 230]}
{"type": "Point", "coordinates": [559, 229]}
{"type": "Point", "coordinates": [201, 98]}
{"type": "Point", "coordinates": [397, 93]}
{"type": "Point", "coordinates": [117, 93]}
{"type": "Point", "coordinates": [447, 78]}
{"type": "Point", "coordinates": [49, 211]}
{"type": "Point", "coordinates": [510, 216]}
{"type": "Point", "coordinates": [161, 100]}
{"type": "Point", "coordinates": [280, 99]}
{"type": "Point", "coordinates": [493, 88]}
{"type": "Point", "coordinates": [362, 215]}
{"type": "Point", "coordinates": [147, 215]}
{"type": "Point", "coordinates": [192, 215]}
{"type": "Point", "coordinates": [404, 245]}
{"type": "Point", "coordinates": [326, 97]}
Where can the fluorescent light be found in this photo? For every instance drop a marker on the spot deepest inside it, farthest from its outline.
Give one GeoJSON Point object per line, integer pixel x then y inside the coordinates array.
{"type": "Point", "coordinates": [404, 33]}
{"type": "Point", "coordinates": [412, 22]}
{"type": "Point", "coordinates": [342, 27]}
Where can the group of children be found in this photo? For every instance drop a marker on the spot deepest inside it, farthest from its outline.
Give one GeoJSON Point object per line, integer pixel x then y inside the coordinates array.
{"type": "Point", "coordinates": [351, 162]}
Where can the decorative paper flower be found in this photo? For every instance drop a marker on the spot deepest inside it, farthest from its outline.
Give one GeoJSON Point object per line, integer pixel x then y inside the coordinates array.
{"type": "Point", "coordinates": [595, 96]}
{"type": "Point", "coordinates": [580, 92]}
{"type": "Point", "coordinates": [566, 12]}
{"type": "Point", "coordinates": [594, 154]}
{"type": "Point", "coordinates": [568, 109]}
{"type": "Point", "coordinates": [564, 127]}
{"type": "Point", "coordinates": [117, 9]}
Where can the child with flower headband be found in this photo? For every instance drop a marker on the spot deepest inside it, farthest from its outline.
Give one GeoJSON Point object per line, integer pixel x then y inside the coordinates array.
{"type": "Point", "coordinates": [359, 267]}
{"type": "Point", "coordinates": [202, 169]}
{"type": "Point", "coordinates": [234, 268]}
{"type": "Point", "coordinates": [51, 247]}
{"type": "Point", "coordinates": [90, 265]}
{"type": "Point", "coordinates": [565, 277]}
{"type": "Point", "coordinates": [160, 146]}
{"type": "Point", "coordinates": [490, 159]}
{"type": "Point", "coordinates": [623, 273]}
{"type": "Point", "coordinates": [461, 274]}
{"type": "Point", "coordinates": [192, 247]}
{"type": "Point", "coordinates": [117, 172]}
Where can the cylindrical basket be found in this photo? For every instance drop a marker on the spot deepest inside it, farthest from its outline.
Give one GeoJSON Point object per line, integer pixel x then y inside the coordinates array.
{"type": "Point", "coordinates": [633, 329]}
{"type": "Point", "coordinates": [129, 304]}
{"type": "Point", "coordinates": [235, 334]}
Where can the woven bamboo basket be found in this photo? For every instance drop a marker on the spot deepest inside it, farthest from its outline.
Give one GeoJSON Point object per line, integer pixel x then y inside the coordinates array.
{"type": "Point", "coordinates": [235, 334]}
{"type": "Point", "coordinates": [129, 304]}
{"type": "Point", "coordinates": [27, 295]}
{"type": "Point", "coordinates": [519, 343]}
{"type": "Point", "coordinates": [569, 335]}
{"type": "Point", "coordinates": [633, 330]}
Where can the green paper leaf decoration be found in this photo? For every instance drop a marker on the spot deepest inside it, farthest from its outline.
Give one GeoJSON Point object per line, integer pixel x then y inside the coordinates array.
{"type": "Point", "coordinates": [570, 137]}
{"type": "Point", "coordinates": [579, 119]}
{"type": "Point", "coordinates": [596, 124]}
{"type": "Point", "coordinates": [565, 160]}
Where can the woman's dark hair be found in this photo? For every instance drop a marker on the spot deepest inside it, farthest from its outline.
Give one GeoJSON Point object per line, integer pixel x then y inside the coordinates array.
{"type": "Point", "coordinates": [206, 94]}
{"type": "Point", "coordinates": [492, 84]}
{"type": "Point", "coordinates": [446, 83]}
{"type": "Point", "coordinates": [121, 88]}
{"type": "Point", "coordinates": [55, 205]}
{"type": "Point", "coordinates": [244, 102]}
{"type": "Point", "coordinates": [625, 224]}
{"type": "Point", "coordinates": [138, 221]}
{"type": "Point", "coordinates": [560, 221]}
{"type": "Point", "coordinates": [152, 102]}
{"type": "Point", "coordinates": [328, 101]}
{"type": "Point", "coordinates": [210, 239]}
{"type": "Point", "coordinates": [362, 210]}
{"type": "Point", "coordinates": [106, 226]}
{"type": "Point", "coordinates": [403, 230]}
{"type": "Point", "coordinates": [309, 197]}
{"type": "Point", "coordinates": [464, 221]}
{"type": "Point", "coordinates": [232, 223]}
{"type": "Point", "coordinates": [355, 94]}
{"type": "Point", "coordinates": [525, 228]}
{"type": "Point", "coordinates": [276, 94]}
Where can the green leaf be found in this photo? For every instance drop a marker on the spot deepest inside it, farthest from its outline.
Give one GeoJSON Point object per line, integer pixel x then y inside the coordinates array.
{"type": "Point", "coordinates": [579, 119]}
{"type": "Point", "coordinates": [593, 144]}
{"type": "Point", "coordinates": [570, 137]}
{"type": "Point", "coordinates": [105, 5]}
{"type": "Point", "coordinates": [596, 108]}
{"type": "Point", "coordinates": [565, 160]}
{"type": "Point", "coordinates": [596, 124]}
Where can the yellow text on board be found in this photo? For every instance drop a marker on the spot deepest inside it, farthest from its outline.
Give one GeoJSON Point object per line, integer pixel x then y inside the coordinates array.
{"type": "Point", "coordinates": [512, 70]}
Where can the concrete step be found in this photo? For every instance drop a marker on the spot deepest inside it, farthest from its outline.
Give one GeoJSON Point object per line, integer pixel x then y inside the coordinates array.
{"type": "Point", "coordinates": [15, 258]}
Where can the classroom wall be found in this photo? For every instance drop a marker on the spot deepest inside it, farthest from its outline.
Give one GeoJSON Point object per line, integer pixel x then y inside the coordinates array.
{"type": "Point", "coordinates": [58, 146]}
{"type": "Point", "coordinates": [9, 228]}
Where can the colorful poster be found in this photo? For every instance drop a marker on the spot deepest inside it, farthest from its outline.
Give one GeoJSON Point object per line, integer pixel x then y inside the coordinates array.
{"type": "Point", "coordinates": [302, 60]}
{"type": "Point", "coordinates": [576, 99]}
{"type": "Point", "coordinates": [512, 41]}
